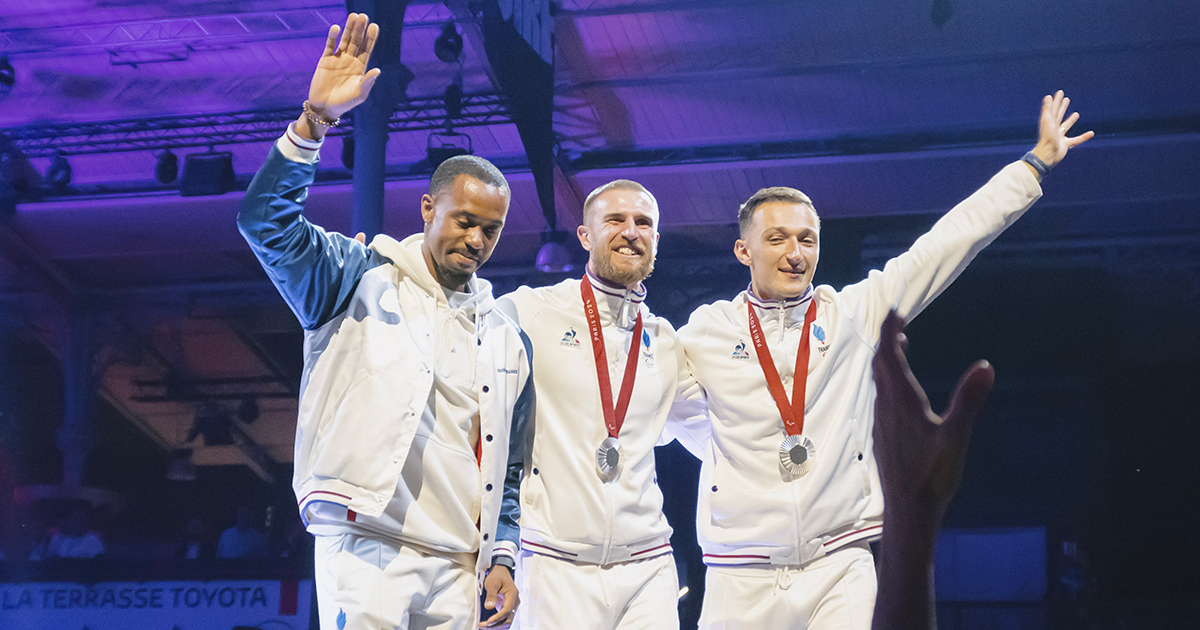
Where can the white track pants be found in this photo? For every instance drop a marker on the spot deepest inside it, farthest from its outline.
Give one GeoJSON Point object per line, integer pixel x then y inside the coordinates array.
{"type": "Point", "coordinates": [365, 583]}
{"type": "Point", "coordinates": [560, 595]}
{"type": "Point", "coordinates": [835, 592]}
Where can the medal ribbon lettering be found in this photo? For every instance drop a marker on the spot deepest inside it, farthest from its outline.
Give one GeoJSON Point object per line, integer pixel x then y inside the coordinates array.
{"type": "Point", "coordinates": [613, 417]}
{"type": "Point", "coordinates": [793, 413]}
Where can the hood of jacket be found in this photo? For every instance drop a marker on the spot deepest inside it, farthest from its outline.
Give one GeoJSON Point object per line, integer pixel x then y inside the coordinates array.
{"type": "Point", "coordinates": [407, 256]}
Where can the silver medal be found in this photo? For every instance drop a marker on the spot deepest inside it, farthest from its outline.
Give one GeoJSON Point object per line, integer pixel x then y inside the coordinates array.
{"type": "Point", "coordinates": [608, 459]}
{"type": "Point", "coordinates": [796, 455]}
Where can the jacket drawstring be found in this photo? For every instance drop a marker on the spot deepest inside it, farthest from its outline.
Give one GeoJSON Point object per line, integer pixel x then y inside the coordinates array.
{"type": "Point", "coordinates": [783, 579]}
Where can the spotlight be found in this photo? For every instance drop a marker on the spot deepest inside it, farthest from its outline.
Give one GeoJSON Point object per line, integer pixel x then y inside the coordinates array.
{"type": "Point", "coordinates": [453, 99]}
{"type": "Point", "coordinates": [443, 145]}
{"type": "Point", "coordinates": [8, 74]}
{"type": "Point", "coordinates": [207, 174]}
{"type": "Point", "coordinates": [247, 410]}
{"type": "Point", "coordinates": [554, 257]}
{"type": "Point", "coordinates": [448, 46]}
{"type": "Point", "coordinates": [166, 169]}
{"type": "Point", "coordinates": [58, 175]}
{"type": "Point", "coordinates": [213, 423]}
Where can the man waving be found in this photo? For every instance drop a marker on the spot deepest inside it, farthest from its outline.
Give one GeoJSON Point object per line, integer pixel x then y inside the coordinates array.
{"type": "Point", "coordinates": [410, 376]}
{"type": "Point", "coordinates": [789, 490]}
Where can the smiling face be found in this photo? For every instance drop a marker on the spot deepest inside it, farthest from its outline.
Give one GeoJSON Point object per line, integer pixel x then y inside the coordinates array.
{"type": "Point", "coordinates": [620, 232]}
{"type": "Point", "coordinates": [781, 246]}
{"type": "Point", "coordinates": [462, 224]}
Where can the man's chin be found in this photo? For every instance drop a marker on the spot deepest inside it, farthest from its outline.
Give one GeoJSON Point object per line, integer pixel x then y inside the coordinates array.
{"type": "Point", "coordinates": [460, 269]}
{"type": "Point", "coordinates": [625, 274]}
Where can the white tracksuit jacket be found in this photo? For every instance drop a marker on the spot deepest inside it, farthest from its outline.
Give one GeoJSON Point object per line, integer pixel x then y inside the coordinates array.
{"type": "Point", "coordinates": [567, 511]}
{"type": "Point", "coordinates": [369, 350]}
{"type": "Point", "coordinates": [747, 512]}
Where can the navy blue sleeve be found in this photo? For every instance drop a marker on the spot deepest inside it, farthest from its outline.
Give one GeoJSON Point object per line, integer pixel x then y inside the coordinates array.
{"type": "Point", "coordinates": [507, 528]}
{"type": "Point", "coordinates": [315, 271]}
{"type": "Point", "coordinates": [510, 506]}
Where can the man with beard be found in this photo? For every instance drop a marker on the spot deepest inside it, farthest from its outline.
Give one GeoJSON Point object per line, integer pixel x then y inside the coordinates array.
{"type": "Point", "coordinates": [789, 487]}
{"type": "Point", "coordinates": [595, 546]}
{"type": "Point", "coordinates": [410, 378]}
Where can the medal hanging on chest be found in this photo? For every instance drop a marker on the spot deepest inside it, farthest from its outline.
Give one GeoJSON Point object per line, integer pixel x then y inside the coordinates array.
{"type": "Point", "coordinates": [608, 456]}
{"type": "Point", "coordinates": [796, 453]}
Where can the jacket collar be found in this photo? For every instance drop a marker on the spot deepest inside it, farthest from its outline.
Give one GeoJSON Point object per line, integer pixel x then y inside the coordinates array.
{"type": "Point", "coordinates": [785, 304]}
{"type": "Point", "coordinates": [407, 257]}
{"type": "Point", "coordinates": [615, 301]}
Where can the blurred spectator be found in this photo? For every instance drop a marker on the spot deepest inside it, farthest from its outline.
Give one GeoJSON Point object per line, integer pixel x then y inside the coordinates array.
{"type": "Point", "coordinates": [194, 546]}
{"type": "Point", "coordinates": [243, 540]}
{"type": "Point", "coordinates": [72, 541]}
{"type": "Point", "coordinates": [297, 542]}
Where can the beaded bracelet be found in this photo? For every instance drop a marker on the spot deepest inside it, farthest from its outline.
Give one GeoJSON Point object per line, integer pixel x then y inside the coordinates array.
{"type": "Point", "coordinates": [316, 120]}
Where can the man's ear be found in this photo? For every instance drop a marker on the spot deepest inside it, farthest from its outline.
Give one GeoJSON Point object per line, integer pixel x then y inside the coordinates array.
{"type": "Point", "coordinates": [428, 209]}
{"type": "Point", "coordinates": [584, 237]}
{"type": "Point", "coordinates": [742, 252]}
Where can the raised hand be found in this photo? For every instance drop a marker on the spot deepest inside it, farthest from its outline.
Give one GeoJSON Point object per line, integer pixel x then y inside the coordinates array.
{"type": "Point", "coordinates": [342, 80]}
{"type": "Point", "coordinates": [920, 454]}
{"type": "Point", "coordinates": [920, 457]}
{"type": "Point", "coordinates": [1053, 142]}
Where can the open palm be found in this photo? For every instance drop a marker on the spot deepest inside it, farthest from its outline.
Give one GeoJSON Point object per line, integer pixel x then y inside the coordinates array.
{"type": "Point", "coordinates": [342, 80]}
{"type": "Point", "coordinates": [1053, 142]}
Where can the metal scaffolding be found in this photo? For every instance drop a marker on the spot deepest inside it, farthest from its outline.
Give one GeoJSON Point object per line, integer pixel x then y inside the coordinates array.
{"type": "Point", "coordinates": [173, 132]}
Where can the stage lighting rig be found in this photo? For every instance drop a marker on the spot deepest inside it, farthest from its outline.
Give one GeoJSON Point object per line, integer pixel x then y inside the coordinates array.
{"type": "Point", "coordinates": [8, 75]}
{"type": "Point", "coordinates": [448, 46]}
{"type": "Point", "coordinates": [58, 174]}
{"type": "Point", "coordinates": [166, 167]}
{"type": "Point", "coordinates": [554, 257]}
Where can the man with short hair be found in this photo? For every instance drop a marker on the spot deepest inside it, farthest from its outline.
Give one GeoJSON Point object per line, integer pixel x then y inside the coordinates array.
{"type": "Point", "coordinates": [789, 488]}
{"type": "Point", "coordinates": [595, 546]}
{"type": "Point", "coordinates": [410, 380]}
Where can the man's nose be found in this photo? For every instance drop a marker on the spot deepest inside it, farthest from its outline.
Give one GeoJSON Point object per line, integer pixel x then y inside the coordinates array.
{"type": "Point", "coordinates": [630, 230]}
{"type": "Point", "coordinates": [475, 238]}
{"type": "Point", "coordinates": [794, 253]}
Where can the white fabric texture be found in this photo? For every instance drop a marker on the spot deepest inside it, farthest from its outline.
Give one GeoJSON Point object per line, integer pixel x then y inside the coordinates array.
{"type": "Point", "coordinates": [558, 594]}
{"type": "Point", "coordinates": [834, 592]}
{"type": "Point", "coordinates": [437, 500]}
{"type": "Point", "coordinates": [370, 584]}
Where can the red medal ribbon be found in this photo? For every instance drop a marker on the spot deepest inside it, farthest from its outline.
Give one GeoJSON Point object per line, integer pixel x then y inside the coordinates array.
{"type": "Point", "coordinates": [613, 417]}
{"type": "Point", "coordinates": [793, 413]}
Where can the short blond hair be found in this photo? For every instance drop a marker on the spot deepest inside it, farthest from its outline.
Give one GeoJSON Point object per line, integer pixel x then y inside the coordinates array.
{"type": "Point", "coordinates": [781, 194]}
{"type": "Point", "coordinates": [616, 184]}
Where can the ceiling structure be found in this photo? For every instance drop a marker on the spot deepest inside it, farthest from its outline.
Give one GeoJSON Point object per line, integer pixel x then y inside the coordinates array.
{"type": "Point", "coordinates": [870, 107]}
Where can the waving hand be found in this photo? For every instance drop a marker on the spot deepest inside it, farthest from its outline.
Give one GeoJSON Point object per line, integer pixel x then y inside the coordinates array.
{"type": "Point", "coordinates": [342, 79]}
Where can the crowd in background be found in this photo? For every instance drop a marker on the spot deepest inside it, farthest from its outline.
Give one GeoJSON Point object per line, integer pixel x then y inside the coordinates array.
{"type": "Point", "coordinates": [80, 533]}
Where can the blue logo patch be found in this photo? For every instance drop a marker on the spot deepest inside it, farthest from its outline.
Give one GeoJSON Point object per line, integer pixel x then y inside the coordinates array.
{"type": "Point", "coordinates": [569, 339]}
{"type": "Point", "coordinates": [341, 619]}
{"type": "Point", "coordinates": [819, 333]}
{"type": "Point", "coordinates": [739, 351]}
{"type": "Point", "coordinates": [645, 339]}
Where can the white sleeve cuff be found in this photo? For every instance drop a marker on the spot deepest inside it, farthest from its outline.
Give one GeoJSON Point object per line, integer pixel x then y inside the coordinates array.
{"type": "Point", "coordinates": [505, 548]}
{"type": "Point", "coordinates": [298, 149]}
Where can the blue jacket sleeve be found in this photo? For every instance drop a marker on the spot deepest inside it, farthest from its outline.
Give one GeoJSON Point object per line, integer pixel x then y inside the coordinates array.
{"type": "Point", "coordinates": [510, 506]}
{"type": "Point", "coordinates": [315, 271]}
